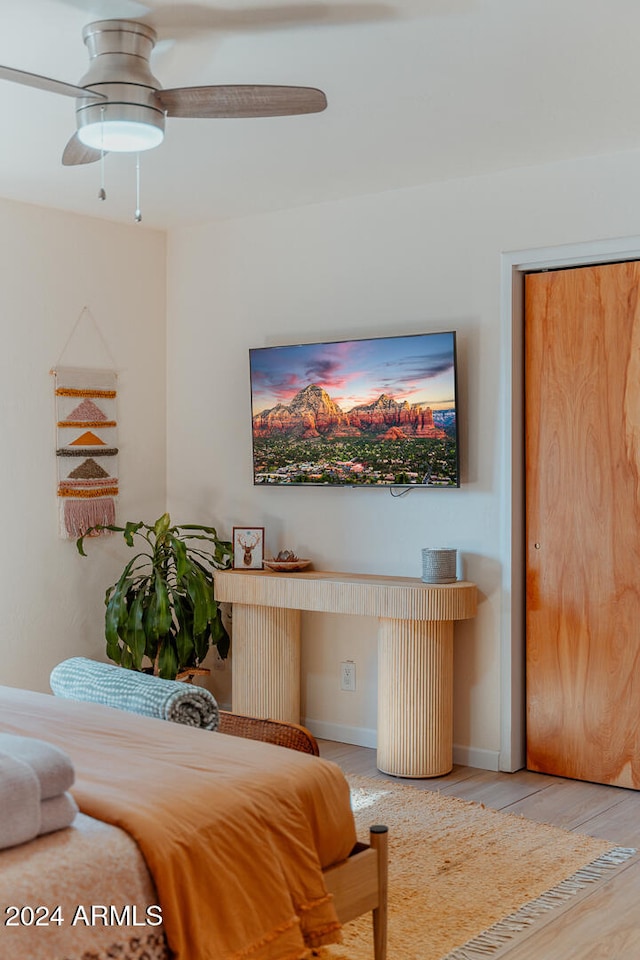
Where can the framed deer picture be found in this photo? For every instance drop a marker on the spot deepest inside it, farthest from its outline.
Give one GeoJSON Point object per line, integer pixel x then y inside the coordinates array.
{"type": "Point", "coordinates": [248, 548]}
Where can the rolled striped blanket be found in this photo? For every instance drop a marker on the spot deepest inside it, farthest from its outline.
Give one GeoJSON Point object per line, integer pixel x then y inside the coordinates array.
{"type": "Point", "coordinates": [82, 679]}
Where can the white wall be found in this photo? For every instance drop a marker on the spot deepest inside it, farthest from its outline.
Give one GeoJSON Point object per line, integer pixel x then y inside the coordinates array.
{"type": "Point", "coordinates": [403, 262]}
{"type": "Point", "coordinates": [52, 265]}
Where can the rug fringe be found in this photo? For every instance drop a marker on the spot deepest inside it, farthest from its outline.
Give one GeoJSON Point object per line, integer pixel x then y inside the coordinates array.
{"type": "Point", "coordinates": [486, 944]}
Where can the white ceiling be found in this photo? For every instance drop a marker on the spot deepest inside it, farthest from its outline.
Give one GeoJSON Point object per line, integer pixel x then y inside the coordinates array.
{"type": "Point", "coordinates": [418, 90]}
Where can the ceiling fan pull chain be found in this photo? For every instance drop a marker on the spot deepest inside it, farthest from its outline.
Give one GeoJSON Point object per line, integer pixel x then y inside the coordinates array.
{"type": "Point", "coordinates": [138, 216]}
{"type": "Point", "coordinates": [102, 194]}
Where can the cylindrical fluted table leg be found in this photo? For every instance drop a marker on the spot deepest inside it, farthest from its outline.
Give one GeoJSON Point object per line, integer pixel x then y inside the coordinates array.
{"type": "Point", "coordinates": [415, 697]}
{"type": "Point", "coordinates": [266, 662]}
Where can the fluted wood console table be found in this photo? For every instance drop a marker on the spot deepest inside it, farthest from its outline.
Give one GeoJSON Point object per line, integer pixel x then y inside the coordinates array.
{"type": "Point", "coordinates": [415, 653]}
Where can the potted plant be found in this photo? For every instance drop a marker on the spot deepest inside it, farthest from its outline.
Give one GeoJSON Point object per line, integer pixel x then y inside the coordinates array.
{"type": "Point", "coordinates": [163, 606]}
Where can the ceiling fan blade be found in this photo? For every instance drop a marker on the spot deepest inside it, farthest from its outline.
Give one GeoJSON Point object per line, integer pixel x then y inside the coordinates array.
{"type": "Point", "coordinates": [76, 152]}
{"type": "Point", "coordinates": [46, 83]}
{"type": "Point", "coordinates": [260, 100]}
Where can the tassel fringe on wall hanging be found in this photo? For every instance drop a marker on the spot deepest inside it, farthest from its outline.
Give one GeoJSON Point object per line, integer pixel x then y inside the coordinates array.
{"type": "Point", "coordinates": [86, 449]}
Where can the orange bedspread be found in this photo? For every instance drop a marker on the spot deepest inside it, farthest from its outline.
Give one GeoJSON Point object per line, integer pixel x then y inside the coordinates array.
{"type": "Point", "coordinates": [235, 833]}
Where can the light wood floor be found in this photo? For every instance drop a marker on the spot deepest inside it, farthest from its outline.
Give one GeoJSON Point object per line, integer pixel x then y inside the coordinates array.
{"type": "Point", "coordinates": [605, 925]}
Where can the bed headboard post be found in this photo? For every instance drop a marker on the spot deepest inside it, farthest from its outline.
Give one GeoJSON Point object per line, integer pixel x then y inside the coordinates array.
{"type": "Point", "coordinates": [379, 841]}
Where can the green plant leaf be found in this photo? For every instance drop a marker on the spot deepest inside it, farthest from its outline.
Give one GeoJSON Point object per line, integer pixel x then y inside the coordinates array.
{"type": "Point", "coordinates": [151, 644]}
{"type": "Point", "coordinates": [222, 553]}
{"type": "Point", "coordinates": [218, 630]}
{"type": "Point", "coordinates": [202, 642]}
{"type": "Point", "coordinates": [182, 561]}
{"type": "Point", "coordinates": [206, 576]}
{"type": "Point", "coordinates": [201, 594]}
{"type": "Point", "coordinates": [130, 530]}
{"type": "Point", "coordinates": [114, 651]}
{"type": "Point", "coordinates": [116, 613]}
{"type": "Point", "coordinates": [116, 599]}
{"type": "Point", "coordinates": [198, 526]}
{"type": "Point", "coordinates": [98, 528]}
{"type": "Point", "coordinates": [185, 648]}
{"type": "Point", "coordinates": [161, 526]}
{"type": "Point", "coordinates": [165, 617]}
{"type": "Point", "coordinates": [168, 661]}
{"type": "Point", "coordinates": [135, 636]}
{"type": "Point", "coordinates": [80, 546]}
{"type": "Point", "coordinates": [163, 605]}
{"type": "Point", "coordinates": [126, 660]}
{"type": "Point", "coordinates": [184, 634]}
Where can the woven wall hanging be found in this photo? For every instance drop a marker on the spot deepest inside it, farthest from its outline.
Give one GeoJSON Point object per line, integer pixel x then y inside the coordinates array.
{"type": "Point", "coordinates": [86, 448]}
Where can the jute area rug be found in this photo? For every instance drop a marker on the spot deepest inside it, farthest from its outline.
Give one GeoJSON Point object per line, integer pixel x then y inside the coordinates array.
{"type": "Point", "coordinates": [465, 880]}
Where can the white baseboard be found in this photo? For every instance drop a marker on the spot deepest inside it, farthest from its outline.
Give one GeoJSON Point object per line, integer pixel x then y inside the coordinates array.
{"type": "Point", "coordinates": [364, 737]}
{"type": "Point", "coordinates": [360, 736]}
{"type": "Point", "coordinates": [476, 757]}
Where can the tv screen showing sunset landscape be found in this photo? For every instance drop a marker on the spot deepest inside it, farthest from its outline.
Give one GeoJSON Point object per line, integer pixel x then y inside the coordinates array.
{"type": "Point", "coordinates": [376, 412]}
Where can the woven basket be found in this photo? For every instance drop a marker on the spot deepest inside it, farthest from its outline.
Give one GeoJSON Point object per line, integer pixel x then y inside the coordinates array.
{"type": "Point", "coordinates": [280, 732]}
{"type": "Point", "coordinates": [439, 565]}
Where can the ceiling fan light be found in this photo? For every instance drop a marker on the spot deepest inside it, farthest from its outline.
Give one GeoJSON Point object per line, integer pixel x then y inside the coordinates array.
{"type": "Point", "coordinates": [119, 126]}
{"type": "Point", "coordinates": [121, 136]}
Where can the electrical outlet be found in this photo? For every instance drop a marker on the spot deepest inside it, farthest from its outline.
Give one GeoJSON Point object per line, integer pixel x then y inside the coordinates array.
{"type": "Point", "coordinates": [348, 676]}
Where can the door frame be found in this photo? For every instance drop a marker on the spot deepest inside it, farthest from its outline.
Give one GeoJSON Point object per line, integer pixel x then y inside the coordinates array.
{"type": "Point", "coordinates": [514, 265]}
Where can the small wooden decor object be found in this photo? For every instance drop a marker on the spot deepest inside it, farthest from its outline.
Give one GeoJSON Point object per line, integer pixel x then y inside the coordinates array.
{"type": "Point", "coordinates": [86, 448]}
{"type": "Point", "coordinates": [287, 566]}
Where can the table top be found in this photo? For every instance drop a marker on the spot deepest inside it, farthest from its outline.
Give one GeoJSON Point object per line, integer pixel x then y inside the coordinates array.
{"type": "Point", "coordinates": [402, 598]}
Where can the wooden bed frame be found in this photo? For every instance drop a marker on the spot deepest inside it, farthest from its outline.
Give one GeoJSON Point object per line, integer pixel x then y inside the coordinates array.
{"type": "Point", "coordinates": [358, 884]}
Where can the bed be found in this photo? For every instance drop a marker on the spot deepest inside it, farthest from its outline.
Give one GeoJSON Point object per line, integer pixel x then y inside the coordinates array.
{"type": "Point", "coordinates": [190, 845]}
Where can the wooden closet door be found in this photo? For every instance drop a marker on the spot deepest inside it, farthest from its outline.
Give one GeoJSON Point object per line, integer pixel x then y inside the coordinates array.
{"type": "Point", "coordinates": [582, 450]}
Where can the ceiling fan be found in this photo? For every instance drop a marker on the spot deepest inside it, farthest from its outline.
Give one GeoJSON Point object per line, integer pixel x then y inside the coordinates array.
{"type": "Point", "coordinates": [121, 106]}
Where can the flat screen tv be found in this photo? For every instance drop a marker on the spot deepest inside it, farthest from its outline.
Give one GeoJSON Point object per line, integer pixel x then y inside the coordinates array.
{"type": "Point", "coordinates": [377, 412]}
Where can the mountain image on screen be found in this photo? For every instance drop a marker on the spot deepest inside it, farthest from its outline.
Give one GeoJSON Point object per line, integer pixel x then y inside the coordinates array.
{"type": "Point", "coordinates": [312, 413]}
{"type": "Point", "coordinates": [372, 412]}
